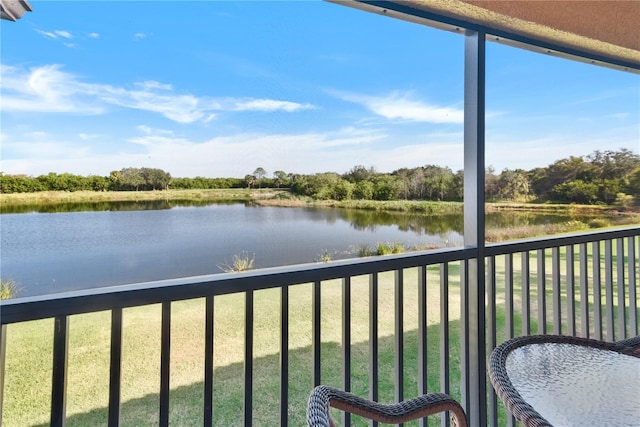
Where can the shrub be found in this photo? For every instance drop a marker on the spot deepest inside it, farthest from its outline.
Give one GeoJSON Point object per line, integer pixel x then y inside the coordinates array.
{"type": "Point", "coordinates": [8, 289]}
{"type": "Point", "coordinates": [390, 248]}
{"type": "Point", "coordinates": [364, 251]}
{"type": "Point", "coordinates": [325, 256]}
{"type": "Point", "coordinates": [242, 262]}
{"type": "Point", "coordinates": [599, 223]}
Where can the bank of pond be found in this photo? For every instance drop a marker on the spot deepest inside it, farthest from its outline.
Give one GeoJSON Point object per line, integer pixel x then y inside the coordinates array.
{"type": "Point", "coordinates": [69, 246]}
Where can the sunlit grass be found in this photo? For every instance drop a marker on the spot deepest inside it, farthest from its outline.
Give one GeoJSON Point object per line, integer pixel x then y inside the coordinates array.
{"type": "Point", "coordinates": [29, 349]}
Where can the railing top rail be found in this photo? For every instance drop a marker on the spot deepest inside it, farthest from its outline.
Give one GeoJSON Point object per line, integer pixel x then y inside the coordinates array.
{"type": "Point", "coordinates": [557, 241]}
{"type": "Point", "coordinates": [138, 294]}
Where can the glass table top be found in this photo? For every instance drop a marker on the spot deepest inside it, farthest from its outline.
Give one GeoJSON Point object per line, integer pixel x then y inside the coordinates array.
{"type": "Point", "coordinates": [573, 385]}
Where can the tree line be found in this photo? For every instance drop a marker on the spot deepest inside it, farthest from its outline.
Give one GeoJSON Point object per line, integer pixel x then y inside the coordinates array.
{"type": "Point", "coordinates": [604, 177]}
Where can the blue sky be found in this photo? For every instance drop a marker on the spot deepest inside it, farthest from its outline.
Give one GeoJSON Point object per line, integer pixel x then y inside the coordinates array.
{"type": "Point", "coordinates": [211, 88]}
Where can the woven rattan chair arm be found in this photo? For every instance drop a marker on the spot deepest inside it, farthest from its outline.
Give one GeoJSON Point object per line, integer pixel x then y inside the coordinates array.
{"type": "Point", "coordinates": [630, 346]}
{"type": "Point", "coordinates": [322, 397]}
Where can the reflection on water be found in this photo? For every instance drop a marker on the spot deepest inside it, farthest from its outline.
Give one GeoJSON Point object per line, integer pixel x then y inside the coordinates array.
{"type": "Point", "coordinates": [142, 205]}
{"type": "Point", "coordinates": [420, 224]}
{"type": "Point", "coordinates": [118, 243]}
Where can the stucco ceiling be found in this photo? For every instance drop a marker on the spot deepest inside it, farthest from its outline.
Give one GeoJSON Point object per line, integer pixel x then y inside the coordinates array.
{"type": "Point", "coordinates": [598, 29]}
{"type": "Point", "coordinates": [12, 10]}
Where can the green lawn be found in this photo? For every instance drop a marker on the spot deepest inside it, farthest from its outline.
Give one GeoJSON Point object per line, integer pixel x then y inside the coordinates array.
{"type": "Point", "coordinates": [29, 352]}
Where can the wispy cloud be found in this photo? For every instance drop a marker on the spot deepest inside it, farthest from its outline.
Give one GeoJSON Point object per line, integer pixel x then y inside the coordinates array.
{"type": "Point", "coordinates": [269, 105]}
{"type": "Point", "coordinates": [50, 89]}
{"type": "Point", "coordinates": [93, 35]}
{"type": "Point", "coordinates": [403, 106]}
{"type": "Point", "coordinates": [56, 34]}
{"type": "Point", "coordinates": [140, 36]}
{"type": "Point", "coordinates": [46, 89]}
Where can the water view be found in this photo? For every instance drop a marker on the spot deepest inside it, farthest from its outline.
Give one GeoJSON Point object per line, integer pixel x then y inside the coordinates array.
{"type": "Point", "coordinates": [128, 243]}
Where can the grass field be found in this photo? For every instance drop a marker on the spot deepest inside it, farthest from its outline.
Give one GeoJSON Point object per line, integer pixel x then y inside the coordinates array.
{"type": "Point", "coordinates": [29, 352]}
{"type": "Point", "coordinates": [53, 197]}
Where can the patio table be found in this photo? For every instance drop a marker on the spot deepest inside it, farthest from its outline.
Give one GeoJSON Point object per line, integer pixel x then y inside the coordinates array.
{"type": "Point", "coordinates": [550, 380]}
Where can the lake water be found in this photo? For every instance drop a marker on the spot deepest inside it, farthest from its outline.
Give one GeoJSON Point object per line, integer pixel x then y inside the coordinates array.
{"type": "Point", "coordinates": [54, 252]}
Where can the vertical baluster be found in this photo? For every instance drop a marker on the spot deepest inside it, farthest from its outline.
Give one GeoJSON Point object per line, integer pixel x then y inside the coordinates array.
{"type": "Point", "coordinates": [248, 358]}
{"type": "Point", "coordinates": [284, 356]}
{"type": "Point", "coordinates": [346, 343]}
{"type": "Point", "coordinates": [542, 294]}
{"type": "Point", "coordinates": [491, 320]}
{"type": "Point", "coordinates": [526, 292]}
{"type": "Point", "coordinates": [622, 303]}
{"type": "Point", "coordinates": [3, 358]}
{"type": "Point", "coordinates": [399, 334]}
{"type": "Point", "coordinates": [465, 362]}
{"type": "Point", "coordinates": [597, 290]}
{"type": "Point", "coordinates": [508, 295]}
{"type": "Point", "coordinates": [555, 277]}
{"type": "Point", "coordinates": [633, 305]}
{"type": "Point", "coordinates": [422, 336]}
{"type": "Point", "coordinates": [584, 292]}
{"type": "Point", "coordinates": [317, 338]}
{"type": "Point", "coordinates": [115, 365]}
{"type": "Point", "coordinates": [373, 338]}
{"type": "Point", "coordinates": [59, 378]}
{"type": "Point", "coordinates": [571, 289]}
{"type": "Point", "coordinates": [165, 363]}
{"type": "Point", "coordinates": [444, 335]}
{"type": "Point", "coordinates": [209, 328]}
{"type": "Point", "coordinates": [509, 321]}
{"type": "Point", "coordinates": [608, 283]}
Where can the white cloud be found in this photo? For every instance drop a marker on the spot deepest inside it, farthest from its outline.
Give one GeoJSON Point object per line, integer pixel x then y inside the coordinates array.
{"type": "Point", "coordinates": [152, 84]}
{"type": "Point", "coordinates": [56, 34]}
{"type": "Point", "coordinates": [50, 89]}
{"type": "Point", "coordinates": [45, 89]}
{"type": "Point", "coordinates": [270, 105]}
{"type": "Point", "coordinates": [63, 34]}
{"type": "Point", "coordinates": [48, 34]}
{"type": "Point", "coordinates": [139, 36]}
{"type": "Point", "coordinates": [402, 106]}
{"type": "Point", "coordinates": [93, 35]}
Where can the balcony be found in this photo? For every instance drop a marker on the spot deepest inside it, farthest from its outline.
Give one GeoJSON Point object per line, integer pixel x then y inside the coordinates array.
{"type": "Point", "coordinates": [388, 328]}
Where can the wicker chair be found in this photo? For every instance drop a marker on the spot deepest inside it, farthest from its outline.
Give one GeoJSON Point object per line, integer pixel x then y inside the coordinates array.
{"type": "Point", "coordinates": [522, 410]}
{"type": "Point", "coordinates": [322, 397]}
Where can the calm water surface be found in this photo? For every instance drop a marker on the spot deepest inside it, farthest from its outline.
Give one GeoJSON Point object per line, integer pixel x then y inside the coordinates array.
{"type": "Point", "coordinates": [53, 252]}
{"type": "Point", "coordinates": [124, 243]}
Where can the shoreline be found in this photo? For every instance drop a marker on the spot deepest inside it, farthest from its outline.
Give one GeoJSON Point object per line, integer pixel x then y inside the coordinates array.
{"type": "Point", "coordinates": [282, 198]}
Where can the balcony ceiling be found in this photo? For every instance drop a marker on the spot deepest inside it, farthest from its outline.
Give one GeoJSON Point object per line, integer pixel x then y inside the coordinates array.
{"type": "Point", "coordinates": [597, 29]}
{"type": "Point", "coordinates": [12, 10]}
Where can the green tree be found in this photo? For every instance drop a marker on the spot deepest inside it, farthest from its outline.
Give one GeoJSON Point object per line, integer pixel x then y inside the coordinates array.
{"type": "Point", "coordinates": [155, 179]}
{"type": "Point", "coordinates": [130, 179]}
{"type": "Point", "coordinates": [576, 191]}
{"type": "Point", "coordinates": [513, 185]}
{"type": "Point", "coordinates": [633, 185]}
{"type": "Point", "coordinates": [360, 173]}
{"type": "Point", "coordinates": [280, 178]}
{"type": "Point", "coordinates": [249, 180]}
{"type": "Point", "coordinates": [259, 174]}
{"type": "Point", "coordinates": [363, 190]}
{"type": "Point", "coordinates": [386, 187]}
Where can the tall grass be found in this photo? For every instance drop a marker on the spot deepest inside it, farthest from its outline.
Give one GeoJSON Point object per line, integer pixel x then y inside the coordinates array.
{"type": "Point", "coordinates": [239, 262]}
{"type": "Point", "coordinates": [8, 289]}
